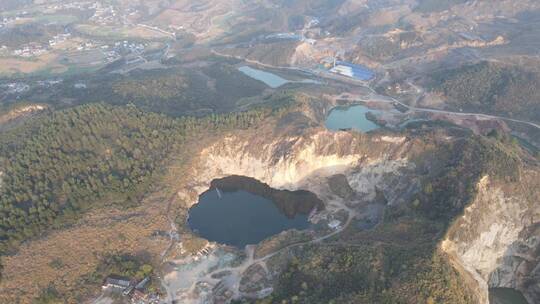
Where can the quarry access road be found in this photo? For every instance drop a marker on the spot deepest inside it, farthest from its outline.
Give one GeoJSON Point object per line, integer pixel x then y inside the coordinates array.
{"type": "Point", "coordinates": [235, 275]}
{"type": "Point", "coordinates": [250, 250]}
{"type": "Point", "coordinates": [377, 97]}
{"type": "Point", "coordinates": [481, 115]}
{"type": "Point", "coordinates": [315, 240]}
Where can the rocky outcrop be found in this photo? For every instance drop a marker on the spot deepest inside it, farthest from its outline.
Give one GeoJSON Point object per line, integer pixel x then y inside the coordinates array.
{"type": "Point", "coordinates": [495, 243]}
{"type": "Point", "coordinates": [520, 266]}
{"type": "Point", "coordinates": [285, 162]}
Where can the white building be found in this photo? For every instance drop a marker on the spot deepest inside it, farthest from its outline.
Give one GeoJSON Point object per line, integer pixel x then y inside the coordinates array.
{"type": "Point", "coordinates": [334, 224]}
{"type": "Point", "coordinates": [343, 70]}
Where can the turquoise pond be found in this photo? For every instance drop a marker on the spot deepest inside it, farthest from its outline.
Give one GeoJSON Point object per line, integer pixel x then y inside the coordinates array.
{"type": "Point", "coordinates": [240, 218]}
{"type": "Point", "coordinates": [351, 117]}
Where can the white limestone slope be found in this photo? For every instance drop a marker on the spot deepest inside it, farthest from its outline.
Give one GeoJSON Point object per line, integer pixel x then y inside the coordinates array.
{"type": "Point", "coordinates": [285, 162]}
{"type": "Point", "coordinates": [481, 241]}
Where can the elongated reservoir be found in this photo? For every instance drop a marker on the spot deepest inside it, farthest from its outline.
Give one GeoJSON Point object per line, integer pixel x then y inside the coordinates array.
{"type": "Point", "coordinates": [271, 80]}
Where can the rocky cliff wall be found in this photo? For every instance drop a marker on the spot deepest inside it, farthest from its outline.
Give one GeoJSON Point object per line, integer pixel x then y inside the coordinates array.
{"type": "Point", "coordinates": [289, 162]}
{"type": "Point", "coordinates": [496, 242]}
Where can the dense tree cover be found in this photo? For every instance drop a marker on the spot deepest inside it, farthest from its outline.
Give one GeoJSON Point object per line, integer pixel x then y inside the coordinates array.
{"type": "Point", "coordinates": [29, 33]}
{"type": "Point", "coordinates": [367, 274]}
{"type": "Point", "coordinates": [444, 196]}
{"type": "Point", "coordinates": [216, 87]}
{"type": "Point", "coordinates": [49, 296]}
{"type": "Point", "coordinates": [124, 265]}
{"type": "Point", "coordinates": [62, 164]}
{"type": "Point", "coordinates": [381, 48]}
{"type": "Point", "coordinates": [384, 48]}
{"type": "Point", "coordinates": [396, 263]}
{"type": "Point", "coordinates": [163, 87]}
{"type": "Point", "coordinates": [491, 87]}
{"type": "Point", "coordinates": [174, 91]}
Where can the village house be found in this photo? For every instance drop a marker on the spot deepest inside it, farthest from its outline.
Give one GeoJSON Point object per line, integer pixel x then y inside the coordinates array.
{"type": "Point", "coordinates": [116, 282]}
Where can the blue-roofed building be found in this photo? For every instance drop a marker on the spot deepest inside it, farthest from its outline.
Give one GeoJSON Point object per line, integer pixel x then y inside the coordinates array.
{"type": "Point", "coordinates": [352, 70]}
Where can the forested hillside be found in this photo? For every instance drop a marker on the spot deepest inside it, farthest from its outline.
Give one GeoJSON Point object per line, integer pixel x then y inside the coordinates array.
{"type": "Point", "coordinates": [491, 87]}
{"type": "Point", "coordinates": [217, 87]}
{"type": "Point", "coordinates": [57, 166]}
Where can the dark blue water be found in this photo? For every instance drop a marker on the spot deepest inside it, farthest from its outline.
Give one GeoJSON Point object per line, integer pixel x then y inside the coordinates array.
{"type": "Point", "coordinates": [239, 218]}
{"type": "Point", "coordinates": [506, 296]}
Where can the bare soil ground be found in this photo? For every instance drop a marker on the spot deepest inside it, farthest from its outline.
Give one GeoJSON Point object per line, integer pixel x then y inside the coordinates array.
{"type": "Point", "coordinates": [10, 66]}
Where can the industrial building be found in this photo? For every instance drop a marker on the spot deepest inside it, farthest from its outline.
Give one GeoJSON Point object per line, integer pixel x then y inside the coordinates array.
{"type": "Point", "coordinates": [334, 224]}
{"type": "Point", "coordinates": [352, 70]}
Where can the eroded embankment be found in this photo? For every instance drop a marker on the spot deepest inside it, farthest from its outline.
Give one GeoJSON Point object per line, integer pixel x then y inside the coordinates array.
{"type": "Point", "coordinates": [286, 162]}
{"type": "Point", "coordinates": [495, 243]}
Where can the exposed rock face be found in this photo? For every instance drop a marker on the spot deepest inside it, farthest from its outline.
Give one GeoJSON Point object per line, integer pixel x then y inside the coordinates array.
{"type": "Point", "coordinates": [289, 162]}
{"type": "Point", "coordinates": [520, 266]}
{"type": "Point", "coordinates": [496, 241]}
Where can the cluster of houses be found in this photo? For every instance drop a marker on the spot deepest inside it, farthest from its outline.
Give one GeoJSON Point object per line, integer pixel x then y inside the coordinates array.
{"type": "Point", "coordinates": [7, 21]}
{"type": "Point", "coordinates": [65, 5]}
{"type": "Point", "coordinates": [136, 291]}
{"type": "Point", "coordinates": [34, 49]}
{"type": "Point", "coordinates": [15, 87]}
{"type": "Point", "coordinates": [103, 14]}
{"type": "Point", "coordinates": [59, 39]}
{"type": "Point", "coordinates": [205, 251]}
{"type": "Point", "coordinates": [30, 50]}
{"type": "Point", "coordinates": [109, 15]}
